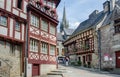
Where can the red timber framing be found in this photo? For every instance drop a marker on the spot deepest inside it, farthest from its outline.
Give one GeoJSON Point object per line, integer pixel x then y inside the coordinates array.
{"type": "Point", "coordinates": [11, 38]}
{"type": "Point", "coordinates": [41, 36]}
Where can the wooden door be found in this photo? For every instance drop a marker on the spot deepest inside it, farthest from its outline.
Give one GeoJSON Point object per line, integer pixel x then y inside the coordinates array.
{"type": "Point", "coordinates": [35, 70]}
{"type": "Point", "coordinates": [118, 59]}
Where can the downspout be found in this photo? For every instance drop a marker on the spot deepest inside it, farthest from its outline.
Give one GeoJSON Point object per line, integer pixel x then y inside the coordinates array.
{"type": "Point", "coordinates": [99, 47]}
{"type": "Point", "coordinates": [26, 51]}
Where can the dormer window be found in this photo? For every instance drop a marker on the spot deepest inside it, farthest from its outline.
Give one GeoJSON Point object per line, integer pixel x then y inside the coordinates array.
{"type": "Point", "coordinates": [49, 3]}
{"type": "Point", "coordinates": [19, 4]}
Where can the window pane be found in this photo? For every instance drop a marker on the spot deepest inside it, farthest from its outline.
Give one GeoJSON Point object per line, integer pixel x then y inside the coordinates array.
{"type": "Point", "coordinates": [33, 45]}
{"type": "Point", "coordinates": [44, 26]}
{"type": "Point", "coordinates": [17, 26]}
{"type": "Point", "coordinates": [52, 30]}
{"type": "Point", "coordinates": [52, 50]}
{"type": "Point", "coordinates": [35, 21]}
{"type": "Point", "coordinates": [44, 48]}
{"type": "Point", "coordinates": [3, 21]}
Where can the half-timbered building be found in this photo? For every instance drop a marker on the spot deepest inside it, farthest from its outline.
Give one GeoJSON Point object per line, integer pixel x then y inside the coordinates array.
{"type": "Point", "coordinates": [42, 23]}
{"type": "Point", "coordinates": [83, 46]}
{"type": "Point", "coordinates": [13, 19]}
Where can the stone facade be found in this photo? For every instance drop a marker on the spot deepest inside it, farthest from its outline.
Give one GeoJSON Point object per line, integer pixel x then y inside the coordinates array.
{"type": "Point", "coordinates": [10, 58]}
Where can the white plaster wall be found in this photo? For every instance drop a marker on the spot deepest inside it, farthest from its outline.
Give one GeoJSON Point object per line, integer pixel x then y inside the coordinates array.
{"type": "Point", "coordinates": [2, 3]}
{"type": "Point", "coordinates": [16, 12]}
{"type": "Point", "coordinates": [14, 3]}
{"type": "Point", "coordinates": [8, 5]}
{"type": "Point", "coordinates": [23, 31]}
{"type": "Point", "coordinates": [11, 27]}
{"type": "Point", "coordinates": [23, 15]}
{"type": "Point", "coordinates": [45, 68]}
{"type": "Point", "coordinates": [29, 70]}
{"type": "Point", "coordinates": [17, 35]}
{"type": "Point", "coordinates": [25, 5]}
{"type": "Point", "coordinates": [3, 30]}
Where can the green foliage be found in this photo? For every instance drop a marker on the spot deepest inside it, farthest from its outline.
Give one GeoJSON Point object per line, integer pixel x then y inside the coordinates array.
{"type": "Point", "coordinates": [72, 63]}
{"type": "Point", "coordinates": [79, 63]}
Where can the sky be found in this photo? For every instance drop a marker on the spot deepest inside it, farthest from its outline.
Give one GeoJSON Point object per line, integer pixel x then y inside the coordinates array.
{"type": "Point", "coordinates": [78, 10]}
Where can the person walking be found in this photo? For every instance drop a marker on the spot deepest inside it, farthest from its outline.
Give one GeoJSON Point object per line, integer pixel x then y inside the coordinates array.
{"type": "Point", "coordinates": [67, 61]}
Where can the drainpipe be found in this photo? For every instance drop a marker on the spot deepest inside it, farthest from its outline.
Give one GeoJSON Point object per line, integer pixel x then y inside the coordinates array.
{"type": "Point", "coordinates": [99, 47]}
{"type": "Point", "coordinates": [26, 52]}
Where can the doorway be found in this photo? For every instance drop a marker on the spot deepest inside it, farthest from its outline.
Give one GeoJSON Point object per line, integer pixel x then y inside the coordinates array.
{"type": "Point", "coordinates": [118, 59]}
{"type": "Point", "coordinates": [35, 70]}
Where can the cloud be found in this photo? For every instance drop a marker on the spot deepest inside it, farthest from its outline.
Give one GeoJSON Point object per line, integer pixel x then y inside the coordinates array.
{"type": "Point", "coordinates": [74, 25]}
{"type": "Point", "coordinates": [78, 10]}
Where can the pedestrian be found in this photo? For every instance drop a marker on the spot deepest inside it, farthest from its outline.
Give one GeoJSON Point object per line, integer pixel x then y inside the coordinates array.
{"type": "Point", "coordinates": [67, 61]}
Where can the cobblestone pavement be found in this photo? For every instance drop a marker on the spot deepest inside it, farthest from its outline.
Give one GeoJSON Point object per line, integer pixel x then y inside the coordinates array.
{"type": "Point", "coordinates": [69, 71]}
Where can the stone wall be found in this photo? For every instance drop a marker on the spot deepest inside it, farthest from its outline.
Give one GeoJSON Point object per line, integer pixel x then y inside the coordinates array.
{"type": "Point", "coordinates": [10, 56]}
{"type": "Point", "coordinates": [45, 68]}
{"type": "Point", "coordinates": [107, 53]}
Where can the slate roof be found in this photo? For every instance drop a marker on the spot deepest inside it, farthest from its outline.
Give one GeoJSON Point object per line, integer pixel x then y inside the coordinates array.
{"type": "Point", "coordinates": [68, 31]}
{"type": "Point", "coordinates": [92, 21]}
{"type": "Point", "coordinates": [59, 37]}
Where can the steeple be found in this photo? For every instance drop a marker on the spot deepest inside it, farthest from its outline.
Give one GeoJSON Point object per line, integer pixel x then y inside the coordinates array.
{"type": "Point", "coordinates": [64, 23]}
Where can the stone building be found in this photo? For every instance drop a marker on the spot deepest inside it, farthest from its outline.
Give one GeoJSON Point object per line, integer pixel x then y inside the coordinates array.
{"type": "Point", "coordinates": [13, 19]}
{"type": "Point", "coordinates": [109, 33]}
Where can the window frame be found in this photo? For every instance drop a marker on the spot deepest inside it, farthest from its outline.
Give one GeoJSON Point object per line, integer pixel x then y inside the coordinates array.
{"type": "Point", "coordinates": [44, 48]}
{"type": "Point", "coordinates": [34, 45]}
{"type": "Point", "coordinates": [21, 6]}
{"type": "Point", "coordinates": [35, 19]}
{"type": "Point", "coordinates": [42, 27]}
{"type": "Point", "coordinates": [52, 26]}
{"type": "Point", "coordinates": [19, 26]}
{"type": "Point", "coordinates": [52, 48]}
{"type": "Point", "coordinates": [117, 29]}
{"type": "Point", "coordinates": [6, 21]}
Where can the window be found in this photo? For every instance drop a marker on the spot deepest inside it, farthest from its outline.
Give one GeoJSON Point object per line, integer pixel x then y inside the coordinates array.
{"type": "Point", "coordinates": [44, 25]}
{"type": "Point", "coordinates": [33, 45]}
{"type": "Point", "coordinates": [87, 44]}
{"type": "Point", "coordinates": [117, 29]}
{"type": "Point", "coordinates": [52, 50]}
{"type": "Point", "coordinates": [19, 4]}
{"type": "Point", "coordinates": [44, 48]}
{"type": "Point", "coordinates": [52, 29]}
{"type": "Point", "coordinates": [35, 21]}
{"type": "Point", "coordinates": [0, 63]}
{"type": "Point", "coordinates": [17, 26]}
{"type": "Point", "coordinates": [3, 21]}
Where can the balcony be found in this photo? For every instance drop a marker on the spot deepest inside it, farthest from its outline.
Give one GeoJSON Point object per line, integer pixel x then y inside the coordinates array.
{"type": "Point", "coordinates": [44, 8]}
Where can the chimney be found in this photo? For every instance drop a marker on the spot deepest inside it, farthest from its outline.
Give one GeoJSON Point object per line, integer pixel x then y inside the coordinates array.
{"type": "Point", "coordinates": [106, 6]}
{"type": "Point", "coordinates": [112, 4]}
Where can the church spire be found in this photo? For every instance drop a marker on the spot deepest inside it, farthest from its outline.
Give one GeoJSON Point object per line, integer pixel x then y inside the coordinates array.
{"type": "Point", "coordinates": [64, 23]}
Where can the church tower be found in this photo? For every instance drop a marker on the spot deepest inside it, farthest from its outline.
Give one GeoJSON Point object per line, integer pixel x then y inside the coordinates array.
{"type": "Point", "coordinates": [64, 23]}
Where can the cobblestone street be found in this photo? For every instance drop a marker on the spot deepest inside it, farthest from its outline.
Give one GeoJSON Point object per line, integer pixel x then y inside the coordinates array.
{"type": "Point", "coordinates": [84, 72]}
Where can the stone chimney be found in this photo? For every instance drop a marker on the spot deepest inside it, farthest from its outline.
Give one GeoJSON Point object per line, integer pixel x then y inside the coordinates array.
{"type": "Point", "coordinates": [112, 4]}
{"type": "Point", "coordinates": [106, 6]}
